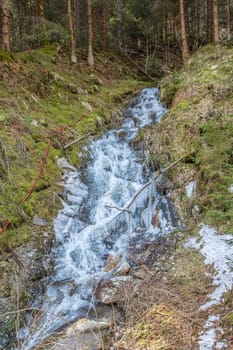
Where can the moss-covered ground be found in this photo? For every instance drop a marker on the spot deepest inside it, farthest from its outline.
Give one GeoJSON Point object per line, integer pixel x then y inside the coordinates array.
{"type": "Point", "coordinates": [199, 125]}
{"type": "Point", "coordinates": [41, 92]}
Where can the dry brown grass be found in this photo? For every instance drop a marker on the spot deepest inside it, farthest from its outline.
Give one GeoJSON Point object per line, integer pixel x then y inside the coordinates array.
{"type": "Point", "coordinates": [163, 313]}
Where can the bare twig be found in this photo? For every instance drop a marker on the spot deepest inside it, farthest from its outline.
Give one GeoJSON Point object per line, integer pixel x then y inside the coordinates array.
{"type": "Point", "coordinates": [153, 179]}
{"type": "Point", "coordinates": [20, 310]}
{"type": "Point", "coordinates": [120, 209]}
{"type": "Point", "coordinates": [138, 67]}
{"type": "Point", "coordinates": [73, 142]}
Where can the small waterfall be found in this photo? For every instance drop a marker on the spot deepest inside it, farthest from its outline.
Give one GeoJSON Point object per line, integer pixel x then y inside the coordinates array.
{"type": "Point", "coordinates": [105, 207]}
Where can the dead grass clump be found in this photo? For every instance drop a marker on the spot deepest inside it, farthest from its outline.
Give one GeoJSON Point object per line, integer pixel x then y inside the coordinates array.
{"type": "Point", "coordinates": [163, 312]}
{"type": "Point", "coordinates": [159, 329]}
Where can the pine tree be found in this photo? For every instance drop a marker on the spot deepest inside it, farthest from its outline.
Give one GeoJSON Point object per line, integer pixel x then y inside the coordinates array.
{"type": "Point", "coordinates": [5, 25]}
{"type": "Point", "coordinates": [185, 48]}
{"type": "Point", "coordinates": [90, 57]}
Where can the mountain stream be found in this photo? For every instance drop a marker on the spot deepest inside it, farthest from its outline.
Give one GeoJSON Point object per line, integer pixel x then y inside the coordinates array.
{"type": "Point", "coordinates": [106, 206]}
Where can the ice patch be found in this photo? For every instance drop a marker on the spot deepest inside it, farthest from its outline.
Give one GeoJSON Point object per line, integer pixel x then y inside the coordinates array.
{"type": "Point", "coordinates": [217, 251]}
{"type": "Point", "coordinates": [190, 189]}
{"type": "Point", "coordinates": [207, 338]}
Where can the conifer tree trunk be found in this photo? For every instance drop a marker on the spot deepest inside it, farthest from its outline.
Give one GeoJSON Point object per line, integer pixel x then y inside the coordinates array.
{"type": "Point", "coordinates": [41, 9]}
{"type": "Point", "coordinates": [71, 25]}
{"type": "Point", "coordinates": [228, 19]}
{"type": "Point", "coordinates": [90, 58]}
{"type": "Point", "coordinates": [216, 21]}
{"type": "Point", "coordinates": [5, 25]}
{"type": "Point", "coordinates": [185, 48]}
{"type": "Point", "coordinates": [78, 23]}
{"type": "Point", "coordinates": [209, 22]}
{"type": "Point", "coordinates": [104, 25]}
{"type": "Point", "coordinates": [119, 23]}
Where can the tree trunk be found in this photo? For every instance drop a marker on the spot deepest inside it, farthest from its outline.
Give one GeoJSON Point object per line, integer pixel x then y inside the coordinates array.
{"type": "Point", "coordinates": [185, 49]}
{"type": "Point", "coordinates": [5, 25]}
{"type": "Point", "coordinates": [228, 19]}
{"type": "Point", "coordinates": [90, 58]}
{"type": "Point", "coordinates": [216, 21]}
{"type": "Point", "coordinates": [104, 25]}
{"type": "Point", "coordinates": [71, 25]}
{"type": "Point", "coordinates": [209, 21]}
{"type": "Point", "coordinates": [78, 23]}
{"type": "Point", "coordinates": [119, 23]}
{"type": "Point", "coordinates": [41, 10]}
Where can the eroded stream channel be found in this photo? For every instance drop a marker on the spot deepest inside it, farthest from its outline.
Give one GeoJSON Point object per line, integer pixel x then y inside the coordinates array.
{"type": "Point", "coordinates": [107, 209]}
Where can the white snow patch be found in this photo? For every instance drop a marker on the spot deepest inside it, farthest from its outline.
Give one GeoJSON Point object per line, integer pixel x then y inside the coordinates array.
{"type": "Point", "coordinates": [207, 338]}
{"type": "Point", "coordinates": [221, 345]}
{"type": "Point", "coordinates": [217, 251]}
{"type": "Point", "coordinates": [190, 189]}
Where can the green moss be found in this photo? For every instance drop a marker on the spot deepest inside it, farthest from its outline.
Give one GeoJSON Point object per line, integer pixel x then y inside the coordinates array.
{"type": "Point", "coordinates": [48, 93]}
{"type": "Point", "coordinates": [5, 56]}
{"type": "Point", "coordinates": [200, 126]}
{"type": "Point", "coordinates": [229, 319]}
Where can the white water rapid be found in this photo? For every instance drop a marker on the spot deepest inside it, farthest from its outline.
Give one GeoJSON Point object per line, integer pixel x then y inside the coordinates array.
{"type": "Point", "coordinates": [91, 226]}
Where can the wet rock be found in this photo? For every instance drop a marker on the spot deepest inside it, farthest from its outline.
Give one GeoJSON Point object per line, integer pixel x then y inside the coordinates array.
{"type": "Point", "coordinates": [142, 272]}
{"type": "Point", "coordinates": [117, 266]}
{"type": "Point", "coordinates": [121, 269]}
{"type": "Point", "coordinates": [114, 290]}
{"type": "Point", "coordinates": [164, 185]}
{"type": "Point", "coordinates": [40, 221]}
{"type": "Point", "coordinates": [83, 334]}
{"type": "Point", "coordinates": [112, 262]}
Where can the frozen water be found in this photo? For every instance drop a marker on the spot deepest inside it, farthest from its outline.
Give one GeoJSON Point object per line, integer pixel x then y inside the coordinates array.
{"type": "Point", "coordinates": [90, 225]}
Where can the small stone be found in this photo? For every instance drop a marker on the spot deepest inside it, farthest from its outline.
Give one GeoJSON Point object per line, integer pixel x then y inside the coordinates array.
{"type": "Point", "coordinates": [142, 272]}
{"type": "Point", "coordinates": [112, 262]}
{"type": "Point", "coordinates": [113, 290]}
{"type": "Point", "coordinates": [40, 221]}
{"type": "Point", "coordinates": [122, 268]}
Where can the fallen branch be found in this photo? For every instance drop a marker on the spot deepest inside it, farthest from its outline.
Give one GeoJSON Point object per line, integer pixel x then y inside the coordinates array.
{"type": "Point", "coordinates": [73, 142]}
{"type": "Point", "coordinates": [138, 67]}
{"type": "Point", "coordinates": [154, 178]}
{"type": "Point", "coordinates": [120, 209]}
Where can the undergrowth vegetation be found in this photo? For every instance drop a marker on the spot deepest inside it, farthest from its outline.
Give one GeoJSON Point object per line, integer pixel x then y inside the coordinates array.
{"type": "Point", "coordinates": [43, 96]}
{"type": "Point", "coordinates": [199, 125]}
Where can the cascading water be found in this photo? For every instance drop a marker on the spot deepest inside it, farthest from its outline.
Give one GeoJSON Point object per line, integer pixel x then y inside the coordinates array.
{"type": "Point", "coordinates": [91, 226]}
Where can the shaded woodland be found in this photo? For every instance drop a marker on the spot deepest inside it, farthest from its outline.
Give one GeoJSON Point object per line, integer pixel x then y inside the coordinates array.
{"type": "Point", "coordinates": [140, 29]}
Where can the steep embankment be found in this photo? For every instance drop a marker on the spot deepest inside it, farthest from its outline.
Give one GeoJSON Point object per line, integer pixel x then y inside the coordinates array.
{"type": "Point", "coordinates": [47, 104]}
{"type": "Point", "coordinates": [200, 126]}
{"type": "Point", "coordinates": [164, 313]}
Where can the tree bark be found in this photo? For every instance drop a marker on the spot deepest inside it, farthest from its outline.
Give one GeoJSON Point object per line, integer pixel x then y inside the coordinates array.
{"type": "Point", "coordinates": [228, 19]}
{"type": "Point", "coordinates": [119, 23]}
{"type": "Point", "coordinates": [216, 21]}
{"type": "Point", "coordinates": [5, 25]}
{"type": "Point", "coordinates": [90, 57]}
{"type": "Point", "coordinates": [78, 23]}
{"type": "Point", "coordinates": [185, 48]}
{"type": "Point", "coordinates": [71, 25]}
{"type": "Point", "coordinates": [104, 24]}
{"type": "Point", "coordinates": [209, 21]}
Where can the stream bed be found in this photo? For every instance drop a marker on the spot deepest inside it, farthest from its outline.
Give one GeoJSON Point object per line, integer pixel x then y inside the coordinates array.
{"type": "Point", "coordinates": [107, 207]}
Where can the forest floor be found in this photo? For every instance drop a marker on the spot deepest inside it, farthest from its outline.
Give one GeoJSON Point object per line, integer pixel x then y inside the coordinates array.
{"type": "Point", "coordinates": [41, 94]}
